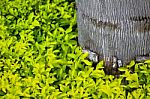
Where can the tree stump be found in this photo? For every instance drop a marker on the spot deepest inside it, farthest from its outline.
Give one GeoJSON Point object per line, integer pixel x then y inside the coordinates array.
{"type": "Point", "coordinates": [117, 31]}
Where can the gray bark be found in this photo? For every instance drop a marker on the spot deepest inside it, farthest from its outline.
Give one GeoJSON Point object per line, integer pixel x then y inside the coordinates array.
{"type": "Point", "coordinates": [114, 28]}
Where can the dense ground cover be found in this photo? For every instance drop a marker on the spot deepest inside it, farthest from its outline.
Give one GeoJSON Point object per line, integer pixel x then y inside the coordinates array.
{"type": "Point", "coordinates": [40, 58]}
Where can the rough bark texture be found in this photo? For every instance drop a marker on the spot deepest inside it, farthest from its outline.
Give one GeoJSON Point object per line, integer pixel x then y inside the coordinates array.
{"type": "Point", "coordinates": [114, 28]}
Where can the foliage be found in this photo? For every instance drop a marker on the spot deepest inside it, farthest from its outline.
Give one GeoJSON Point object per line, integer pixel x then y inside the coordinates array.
{"type": "Point", "coordinates": [40, 58]}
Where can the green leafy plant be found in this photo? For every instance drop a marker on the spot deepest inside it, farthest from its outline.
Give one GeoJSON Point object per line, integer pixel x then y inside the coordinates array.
{"type": "Point", "coordinates": [40, 57]}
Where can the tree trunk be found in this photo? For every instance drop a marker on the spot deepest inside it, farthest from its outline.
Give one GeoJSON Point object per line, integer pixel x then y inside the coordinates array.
{"type": "Point", "coordinates": [114, 28]}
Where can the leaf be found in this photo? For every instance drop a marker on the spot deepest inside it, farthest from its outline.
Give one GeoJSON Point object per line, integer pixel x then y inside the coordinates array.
{"type": "Point", "coordinates": [11, 11]}
{"type": "Point", "coordinates": [94, 96]}
{"type": "Point", "coordinates": [137, 93]}
{"type": "Point", "coordinates": [72, 36]}
{"type": "Point", "coordinates": [132, 63]}
{"type": "Point", "coordinates": [106, 89]}
{"type": "Point", "coordinates": [133, 85]}
{"type": "Point", "coordinates": [97, 73]}
{"type": "Point", "coordinates": [30, 17]}
{"type": "Point", "coordinates": [129, 96]}
{"type": "Point", "coordinates": [143, 67]}
{"type": "Point", "coordinates": [136, 68]}
{"type": "Point", "coordinates": [4, 90]}
{"type": "Point", "coordinates": [79, 78]}
{"type": "Point", "coordinates": [62, 87]}
{"type": "Point", "coordinates": [71, 56]}
{"type": "Point", "coordinates": [147, 61]}
{"type": "Point", "coordinates": [35, 23]}
{"type": "Point", "coordinates": [85, 55]}
{"type": "Point", "coordinates": [100, 65]}
{"type": "Point", "coordinates": [2, 93]}
{"type": "Point", "coordinates": [87, 62]}
{"type": "Point", "coordinates": [133, 77]}
{"type": "Point", "coordinates": [145, 72]}
{"type": "Point", "coordinates": [67, 16]}
{"type": "Point", "coordinates": [9, 17]}
{"type": "Point", "coordinates": [69, 30]}
{"type": "Point", "coordinates": [67, 38]}
{"type": "Point", "coordinates": [123, 69]}
{"type": "Point", "coordinates": [61, 29]}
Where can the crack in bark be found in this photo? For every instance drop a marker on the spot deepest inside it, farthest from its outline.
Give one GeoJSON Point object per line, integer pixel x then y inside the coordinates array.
{"type": "Point", "coordinates": [142, 23]}
{"type": "Point", "coordinates": [100, 24]}
{"type": "Point", "coordinates": [144, 27]}
{"type": "Point", "coordinates": [140, 18]}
